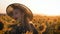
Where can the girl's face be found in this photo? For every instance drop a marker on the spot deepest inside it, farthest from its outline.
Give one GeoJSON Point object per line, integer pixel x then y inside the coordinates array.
{"type": "Point", "coordinates": [17, 14]}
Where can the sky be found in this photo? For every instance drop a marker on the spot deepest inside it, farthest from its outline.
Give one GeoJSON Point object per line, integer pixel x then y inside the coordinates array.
{"type": "Point", "coordinates": [43, 7]}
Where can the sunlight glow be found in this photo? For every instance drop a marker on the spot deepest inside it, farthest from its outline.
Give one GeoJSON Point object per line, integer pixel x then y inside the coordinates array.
{"type": "Point", "coordinates": [45, 7]}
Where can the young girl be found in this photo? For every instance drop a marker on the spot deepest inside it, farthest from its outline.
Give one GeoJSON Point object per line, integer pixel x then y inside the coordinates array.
{"type": "Point", "coordinates": [22, 14]}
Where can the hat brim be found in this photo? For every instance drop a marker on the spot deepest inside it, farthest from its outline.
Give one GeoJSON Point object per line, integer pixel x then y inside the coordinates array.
{"type": "Point", "coordinates": [27, 11]}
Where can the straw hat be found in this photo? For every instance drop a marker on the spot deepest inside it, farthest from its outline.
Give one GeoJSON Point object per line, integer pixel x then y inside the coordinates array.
{"type": "Point", "coordinates": [22, 7]}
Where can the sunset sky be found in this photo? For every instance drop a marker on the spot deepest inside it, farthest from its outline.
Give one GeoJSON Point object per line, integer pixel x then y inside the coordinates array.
{"type": "Point", "coordinates": [44, 7]}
